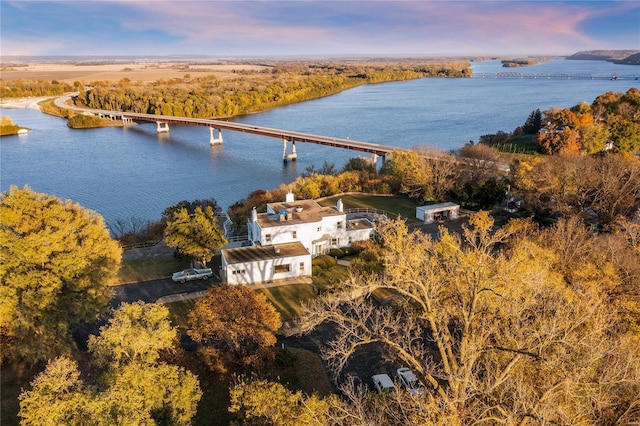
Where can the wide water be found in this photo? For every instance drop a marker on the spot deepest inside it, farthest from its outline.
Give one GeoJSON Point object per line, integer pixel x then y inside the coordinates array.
{"type": "Point", "coordinates": [134, 173]}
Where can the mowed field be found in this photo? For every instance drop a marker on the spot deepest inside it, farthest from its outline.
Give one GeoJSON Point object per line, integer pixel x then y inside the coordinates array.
{"type": "Point", "coordinates": [134, 71]}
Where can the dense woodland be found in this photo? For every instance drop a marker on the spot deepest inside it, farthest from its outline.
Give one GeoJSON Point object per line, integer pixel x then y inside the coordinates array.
{"type": "Point", "coordinates": [533, 322]}
{"type": "Point", "coordinates": [286, 83]}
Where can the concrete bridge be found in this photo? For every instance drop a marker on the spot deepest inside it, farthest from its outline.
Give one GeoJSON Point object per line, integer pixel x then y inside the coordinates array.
{"type": "Point", "coordinates": [555, 76]}
{"type": "Point", "coordinates": [216, 127]}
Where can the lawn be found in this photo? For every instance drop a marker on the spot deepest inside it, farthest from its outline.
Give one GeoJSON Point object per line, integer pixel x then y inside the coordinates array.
{"type": "Point", "coordinates": [393, 205]}
{"type": "Point", "coordinates": [288, 299]}
{"type": "Point", "coordinates": [148, 269]}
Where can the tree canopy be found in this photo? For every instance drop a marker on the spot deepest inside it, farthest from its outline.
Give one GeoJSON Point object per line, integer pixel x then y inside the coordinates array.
{"type": "Point", "coordinates": [197, 235]}
{"type": "Point", "coordinates": [56, 259]}
{"type": "Point", "coordinates": [493, 325]}
{"type": "Point", "coordinates": [235, 321]}
{"type": "Point", "coordinates": [135, 387]}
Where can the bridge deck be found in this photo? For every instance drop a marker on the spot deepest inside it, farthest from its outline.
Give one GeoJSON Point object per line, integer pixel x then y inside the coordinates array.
{"type": "Point", "coordinates": [289, 135]}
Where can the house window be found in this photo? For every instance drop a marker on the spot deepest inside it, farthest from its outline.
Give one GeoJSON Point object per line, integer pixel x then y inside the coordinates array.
{"type": "Point", "coordinates": [281, 268]}
{"type": "Point", "coordinates": [295, 234]}
{"type": "Point", "coordinates": [334, 242]}
{"type": "Point", "coordinates": [239, 272]}
{"type": "Point", "coordinates": [301, 266]}
{"type": "Point", "coordinates": [319, 228]}
{"type": "Point", "coordinates": [267, 238]}
{"type": "Point", "coordinates": [350, 240]}
{"type": "Point", "coordinates": [339, 225]}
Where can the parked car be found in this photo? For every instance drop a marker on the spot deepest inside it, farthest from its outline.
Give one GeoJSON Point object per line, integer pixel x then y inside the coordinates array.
{"type": "Point", "coordinates": [192, 274]}
{"type": "Point", "coordinates": [383, 383]}
{"type": "Point", "coordinates": [409, 381]}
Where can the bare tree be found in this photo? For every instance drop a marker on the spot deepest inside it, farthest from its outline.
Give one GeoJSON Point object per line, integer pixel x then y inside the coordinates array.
{"type": "Point", "coordinates": [496, 334]}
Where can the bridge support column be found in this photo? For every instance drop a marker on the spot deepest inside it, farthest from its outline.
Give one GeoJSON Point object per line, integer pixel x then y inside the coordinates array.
{"type": "Point", "coordinates": [289, 157]}
{"type": "Point", "coordinates": [162, 127]}
{"type": "Point", "coordinates": [126, 120]}
{"type": "Point", "coordinates": [215, 140]}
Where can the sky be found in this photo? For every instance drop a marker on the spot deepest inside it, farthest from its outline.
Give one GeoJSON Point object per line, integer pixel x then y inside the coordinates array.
{"type": "Point", "coordinates": [265, 28]}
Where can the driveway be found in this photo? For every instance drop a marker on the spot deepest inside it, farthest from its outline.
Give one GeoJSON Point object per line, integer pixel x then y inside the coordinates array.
{"type": "Point", "coordinates": [152, 291]}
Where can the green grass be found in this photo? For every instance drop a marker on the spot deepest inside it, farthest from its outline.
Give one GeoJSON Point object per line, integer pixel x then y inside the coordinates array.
{"type": "Point", "coordinates": [148, 269]}
{"type": "Point", "coordinates": [392, 205]}
{"type": "Point", "coordinates": [288, 299]}
{"type": "Point", "coordinates": [523, 144]}
{"type": "Point", "coordinates": [331, 277]}
{"type": "Point", "coordinates": [179, 312]}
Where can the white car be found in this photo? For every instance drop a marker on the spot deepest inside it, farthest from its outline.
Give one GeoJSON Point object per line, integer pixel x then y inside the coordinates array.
{"type": "Point", "coordinates": [409, 381]}
{"type": "Point", "coordinates": [383, 383]}
{"type": "Point", "coordinates": [192, 274]}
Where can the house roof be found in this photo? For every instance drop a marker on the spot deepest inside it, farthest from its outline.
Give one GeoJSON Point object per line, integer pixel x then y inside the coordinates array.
{"type": "Point", "coordinates": [303, 211]}
{"type": "Point", "coordinates": [259, 252]}
{"type": "Point", "coordinates": [438, 207]}
{"type": "Point", "coordinates": [355, 224]}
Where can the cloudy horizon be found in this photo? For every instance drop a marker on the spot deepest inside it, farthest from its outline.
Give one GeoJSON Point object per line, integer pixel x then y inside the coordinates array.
{"type": "Point", "coordinates": [316, 28]}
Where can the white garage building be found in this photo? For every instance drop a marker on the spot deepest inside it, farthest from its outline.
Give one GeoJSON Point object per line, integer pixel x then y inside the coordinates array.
{"type": "Point", "coordinates": [447, 211]}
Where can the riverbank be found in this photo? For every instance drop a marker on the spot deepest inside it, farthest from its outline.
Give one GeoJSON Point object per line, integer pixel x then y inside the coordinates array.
{"type": "Point", "coordinates": [21, 103]}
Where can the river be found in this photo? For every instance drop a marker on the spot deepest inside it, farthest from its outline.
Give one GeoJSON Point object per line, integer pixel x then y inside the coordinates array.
{"type": "Point", "coordinates": [134, 173]}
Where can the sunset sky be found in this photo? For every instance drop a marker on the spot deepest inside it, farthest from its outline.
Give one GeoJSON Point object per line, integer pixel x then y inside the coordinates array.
{"type": "Point", "coordinates": [314, 28]}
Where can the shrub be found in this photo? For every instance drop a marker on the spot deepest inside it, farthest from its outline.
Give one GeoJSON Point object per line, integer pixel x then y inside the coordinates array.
{"type": "Point", "coordinates": [324, 261]}
{"type": "Point", "coordinates": [336, 253]}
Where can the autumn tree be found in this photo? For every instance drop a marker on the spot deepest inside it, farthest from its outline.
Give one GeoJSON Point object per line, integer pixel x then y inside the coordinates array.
{"type": "Point", "coordinates": [137, 332]}
{"type": "Point", "coordinates": [411, 172]}
{"type": "Point", "coordinates": [57, 396]}
{"type": "Point", "coordinates": [55, 261]}
{"type": "Point", "coordinates": [236, 322]}
{"type": "Point", "coordinates": [197, 235]}
{"type": "Point", "coordinates": [272, 403]}
{"type": "Point", "coordinates": [136, 387]}
{"type": "Point", "coordinates": [493, 330]}
{"type": "Point", "coordinates": [607, 185]}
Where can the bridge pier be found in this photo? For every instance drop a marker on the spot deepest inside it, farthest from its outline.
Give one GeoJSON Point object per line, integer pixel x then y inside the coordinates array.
{"type": "Point", "coordinates": [215, 140]}
{"type": "Point", "coordinates": [162, 127]}
{"type": "Point", "coordinates": [126, 120]}
{"type": "Point", "coordinates": [289, 157]}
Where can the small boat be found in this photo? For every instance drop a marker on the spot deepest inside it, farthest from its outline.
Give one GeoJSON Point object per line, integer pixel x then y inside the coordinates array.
{"type": "Point", "coordinates": [23, 131]}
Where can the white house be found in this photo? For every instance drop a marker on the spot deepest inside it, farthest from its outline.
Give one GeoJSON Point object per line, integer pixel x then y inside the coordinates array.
{"type": "Point", "coordinates": [255, 264]}
{"type": "Point", "coordinates": [287, 236]}
{"type": "Point", "coordinates": [317, 228]}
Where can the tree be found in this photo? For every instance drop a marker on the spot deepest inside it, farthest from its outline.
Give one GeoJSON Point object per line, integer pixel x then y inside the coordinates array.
{"type": "Point", "coordinates": [237, 322]}
{"type": "Point", "coordinates": [136, 388]}
{"type": "Point", "coordinates": [55, 261]}
{"type": "Point", "coordinates": [496, 334]}
{"type": "Point", "coordinates": [197, 235]}
{"type": "Point", "coordinates": [272, 403]}
{"type": "Point", "coordinates": [533, 123]}
{"type": "Point", "coordinates": [410, 170]}
{"type": "Point", "coordinates": [191, 206]}
{"type": "Point", "coordinates": [57, 396]}
{"type": "Point", "coordinates": [138, 332]}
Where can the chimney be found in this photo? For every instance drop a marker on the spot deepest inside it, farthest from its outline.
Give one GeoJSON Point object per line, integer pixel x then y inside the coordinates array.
{"type": "Point", "coordinates": [290, 197]}
{"type": "Point", "coordinates": [339, 205]}
{"type": "Point", "coordinates": [254, 215]}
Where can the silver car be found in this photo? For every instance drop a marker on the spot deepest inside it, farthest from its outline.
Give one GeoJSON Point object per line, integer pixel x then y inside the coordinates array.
{"type": "Point", "coordinates": [409, 381]}
{"type": "Point", "coordinates": [192, 274]}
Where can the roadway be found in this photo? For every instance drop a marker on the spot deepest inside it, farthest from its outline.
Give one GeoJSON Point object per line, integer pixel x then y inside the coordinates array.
{"type": "Point", "coordinates": [288, 135]}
